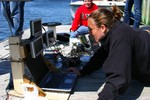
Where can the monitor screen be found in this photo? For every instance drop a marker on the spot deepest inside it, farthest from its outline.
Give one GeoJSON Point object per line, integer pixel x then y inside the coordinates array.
{"type": "Point", "coordinates": [36, 27]}
{"type": "Point", "coordinates": [36, 46]}
{"type": "Point", "coordinates": [48, 38]}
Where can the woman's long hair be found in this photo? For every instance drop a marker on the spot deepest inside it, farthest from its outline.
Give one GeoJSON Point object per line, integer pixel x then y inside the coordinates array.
{"type": "Point", "coordinates": [106, 17]}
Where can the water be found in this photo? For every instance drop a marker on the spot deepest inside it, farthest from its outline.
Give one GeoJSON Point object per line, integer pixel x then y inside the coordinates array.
{"type": "Point", "coordinates": [48, 11]}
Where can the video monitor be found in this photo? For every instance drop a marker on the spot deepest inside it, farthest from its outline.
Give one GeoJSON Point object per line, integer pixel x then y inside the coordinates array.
{"type": "Point", "coordinates": [36, 46]}
{"type": "Point", "coordinates": [36, 27]}
{"type": "Point", "coordinates": [48, 38]}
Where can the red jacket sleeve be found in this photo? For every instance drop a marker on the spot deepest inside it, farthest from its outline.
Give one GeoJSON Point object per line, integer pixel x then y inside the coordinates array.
{"type": "Point", "coordinates": [77, 19]}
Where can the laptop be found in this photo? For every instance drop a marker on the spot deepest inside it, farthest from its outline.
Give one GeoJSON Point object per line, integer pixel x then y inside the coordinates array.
{"type": "Point", "coordinates": [49, 80]}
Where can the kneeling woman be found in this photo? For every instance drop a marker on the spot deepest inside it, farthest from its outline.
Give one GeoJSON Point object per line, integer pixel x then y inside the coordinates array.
{"type": "Point", "coordinates": [124, 53]}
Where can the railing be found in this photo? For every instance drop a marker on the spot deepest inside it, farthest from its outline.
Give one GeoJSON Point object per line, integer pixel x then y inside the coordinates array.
{"type": "Point", "coordinates": [146, 12]}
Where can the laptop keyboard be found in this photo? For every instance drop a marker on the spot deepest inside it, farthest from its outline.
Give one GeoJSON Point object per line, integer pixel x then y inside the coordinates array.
{"type": "Point", "coordinates": [54, 80]}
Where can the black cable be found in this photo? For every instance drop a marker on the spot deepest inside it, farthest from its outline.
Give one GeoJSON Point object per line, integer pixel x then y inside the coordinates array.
{"type": "Point", "coordinates": [43, 28]}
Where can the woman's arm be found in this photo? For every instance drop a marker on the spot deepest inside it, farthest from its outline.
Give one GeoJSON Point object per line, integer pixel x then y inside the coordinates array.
{"type": "Point", "coordinates": [95, 62]}
{"type": "Point", "coordinates": [117, 68]}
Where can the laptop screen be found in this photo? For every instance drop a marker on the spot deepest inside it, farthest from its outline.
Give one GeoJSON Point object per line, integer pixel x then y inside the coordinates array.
{"type": "Point", "coordinates": [37, 67]}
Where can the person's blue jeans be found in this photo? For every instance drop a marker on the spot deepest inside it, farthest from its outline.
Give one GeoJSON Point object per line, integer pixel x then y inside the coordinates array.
{"type": "Point", "coordinates": [137, 12]}
{"type": "Point", "coordinates": [14, 13]}
{"type": "Point", "coordinates": [82, 30]}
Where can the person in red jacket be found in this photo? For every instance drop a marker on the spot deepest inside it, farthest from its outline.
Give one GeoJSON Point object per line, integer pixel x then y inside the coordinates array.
{"type": "Point", "coordinates": [79, 25]}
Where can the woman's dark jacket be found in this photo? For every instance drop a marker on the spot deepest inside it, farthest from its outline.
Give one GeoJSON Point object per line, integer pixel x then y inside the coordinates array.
{"type": "Point", "coordinates": [124, 54]}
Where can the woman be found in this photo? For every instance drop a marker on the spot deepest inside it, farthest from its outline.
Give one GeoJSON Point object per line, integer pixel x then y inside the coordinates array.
{"type": "Point", "coordinates": [124, 53]}
{"type": "Point", "coordinates": [79, 25]}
